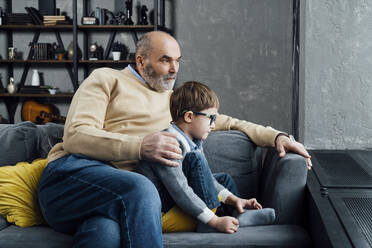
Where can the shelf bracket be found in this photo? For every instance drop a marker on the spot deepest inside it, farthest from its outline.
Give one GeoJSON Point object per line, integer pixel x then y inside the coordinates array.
{"type": "Point", "coordinates": [29, 57]}
{"type": "Point", "coordinates": [109, 43]}
{"type": "Point", "coordinates": [69, 69]}
{"type": "Point", "coordinates": [11, 106]}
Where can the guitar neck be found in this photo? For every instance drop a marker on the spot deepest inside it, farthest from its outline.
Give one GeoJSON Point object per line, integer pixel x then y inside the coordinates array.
{"type": "Point", "coordinates": [53, 116]}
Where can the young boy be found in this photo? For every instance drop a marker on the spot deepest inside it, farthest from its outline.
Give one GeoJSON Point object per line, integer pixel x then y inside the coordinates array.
{"type": "Point", "coordinates": [191, 185]}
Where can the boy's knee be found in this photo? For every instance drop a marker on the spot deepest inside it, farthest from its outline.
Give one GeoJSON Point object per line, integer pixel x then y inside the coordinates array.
{"type": "Point", "coordinates": [195, 159]}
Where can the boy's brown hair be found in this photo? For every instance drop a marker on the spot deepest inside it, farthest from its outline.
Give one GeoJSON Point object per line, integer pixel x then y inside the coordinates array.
{"type": "Point", "coordinates": [192, 96]}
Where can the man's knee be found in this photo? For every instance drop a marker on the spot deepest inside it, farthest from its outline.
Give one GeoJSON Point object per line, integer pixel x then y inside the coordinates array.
{"type": "Point", "coordinates": [98, 231]}
{"type": "Point", "coordinates": [146, 193]}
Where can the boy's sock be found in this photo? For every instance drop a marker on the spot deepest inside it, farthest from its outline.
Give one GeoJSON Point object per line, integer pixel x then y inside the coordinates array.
{"type": "Point", "coordinates": [255, 217]}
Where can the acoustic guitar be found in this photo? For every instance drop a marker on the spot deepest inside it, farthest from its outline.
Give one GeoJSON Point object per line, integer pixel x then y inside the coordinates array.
{"type": "Point", "coordinates": [40, 113]}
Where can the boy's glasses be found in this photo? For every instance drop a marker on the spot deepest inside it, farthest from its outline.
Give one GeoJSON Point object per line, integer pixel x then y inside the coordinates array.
{"type": "Point", "coordinates": [212, 117]}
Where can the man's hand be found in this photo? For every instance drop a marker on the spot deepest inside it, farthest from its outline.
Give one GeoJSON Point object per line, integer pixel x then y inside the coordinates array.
{"type": "Point", "coordinates": [241, 204]}
{"type": "Point", "coordinates": [161, 147]}
{"type": "Point", "coordinates": [284, 144]}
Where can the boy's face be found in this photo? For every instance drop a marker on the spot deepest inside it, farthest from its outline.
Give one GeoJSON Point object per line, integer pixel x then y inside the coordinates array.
{"type": "Point", "coordinates": [201, 126]}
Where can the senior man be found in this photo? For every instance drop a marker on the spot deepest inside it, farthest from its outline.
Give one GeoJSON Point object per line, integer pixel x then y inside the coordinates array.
{"type": "Point", "coordinates": [115, 119]}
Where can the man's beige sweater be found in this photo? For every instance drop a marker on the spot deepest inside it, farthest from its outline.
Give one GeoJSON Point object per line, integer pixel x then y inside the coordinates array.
{"type": "Point", "coordinates": [113, 110]}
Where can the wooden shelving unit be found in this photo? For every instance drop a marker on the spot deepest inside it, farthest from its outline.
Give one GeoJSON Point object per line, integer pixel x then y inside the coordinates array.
{"type": "Point", "coordinates": [72, 65]}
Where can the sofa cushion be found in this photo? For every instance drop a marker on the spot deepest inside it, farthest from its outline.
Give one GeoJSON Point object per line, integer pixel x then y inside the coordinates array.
{"type": "Point", "coordinates": [18, 192]}
{"type": "Point", "coordinates": [34, 237]}
{"type": "Point", "coordinates": [3, 223]}
{"type": "Point", "coordinates": [26, 141]}
{"type": "Point", "coordinates": [258, 236]}
{"type": "Point", "coordinates": [47, 136]}
{"type": "Point", "coordinates": [234, 153]}
{"type": "Point", "coordinates": [18, 143]}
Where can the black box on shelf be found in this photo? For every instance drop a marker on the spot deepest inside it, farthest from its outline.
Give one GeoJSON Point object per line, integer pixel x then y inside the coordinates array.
{"type": "Point", "coordinates": [47, 7]}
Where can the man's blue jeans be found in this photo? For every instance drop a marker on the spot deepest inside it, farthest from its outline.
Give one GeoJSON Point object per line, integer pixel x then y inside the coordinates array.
{"type": "Point", "coordinates": [99, 204]}
{"type": "Point", "coordinates": [200, 178]}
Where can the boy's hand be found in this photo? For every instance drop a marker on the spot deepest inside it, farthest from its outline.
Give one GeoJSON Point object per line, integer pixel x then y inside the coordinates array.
{"type": "Point", "coordinates": [242, 204]}
{"type": "Point", "coordinates": [226, 224]}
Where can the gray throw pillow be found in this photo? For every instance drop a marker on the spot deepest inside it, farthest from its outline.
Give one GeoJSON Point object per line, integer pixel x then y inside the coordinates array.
{"type": "Point", "coordinates": [18, 142]}
{"type": "Point", "coordinates": [48, 135]}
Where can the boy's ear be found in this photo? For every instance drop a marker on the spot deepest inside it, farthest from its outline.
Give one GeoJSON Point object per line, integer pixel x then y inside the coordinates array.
{"type": "Point", "coordinates": [187, 117]}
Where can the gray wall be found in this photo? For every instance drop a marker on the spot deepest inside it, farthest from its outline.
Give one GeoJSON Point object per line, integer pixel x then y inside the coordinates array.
{"type": "Point", "coordinates": [242, 50]}
{"type": "Point", "coordinates": [338, 74]}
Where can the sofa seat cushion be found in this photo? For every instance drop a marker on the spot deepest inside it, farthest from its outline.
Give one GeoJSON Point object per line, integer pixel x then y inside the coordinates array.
{"type": "Point", "coordinates": [33, 237]}
{"type": "Point", "coordinates": [257, 236]}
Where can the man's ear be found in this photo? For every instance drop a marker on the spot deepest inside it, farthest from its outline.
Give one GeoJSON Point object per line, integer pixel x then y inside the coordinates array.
{"type": "Point", "coordinates": [140, 61]}
{"type": "Point", "coordinates": [187, 117]}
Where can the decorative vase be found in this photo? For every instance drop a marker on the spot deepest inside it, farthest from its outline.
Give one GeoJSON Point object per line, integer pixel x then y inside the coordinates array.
{"type": "Point", "coordinates": [116, 55]}
{"type": "Point", "coordinates": [35, 78]}
{"type": "Point", "coordinates": [11, 86]}
{"type": "Point", "coordinates": [70, 51]}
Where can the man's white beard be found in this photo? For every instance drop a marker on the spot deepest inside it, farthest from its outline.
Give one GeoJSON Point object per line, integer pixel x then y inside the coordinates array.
{"type": "Point", "coordinates": [157, 82]}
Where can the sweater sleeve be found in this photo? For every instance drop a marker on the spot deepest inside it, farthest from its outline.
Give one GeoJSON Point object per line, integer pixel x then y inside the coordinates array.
{"type": "Point", "coordinates": [223, 193]}
{"type": "Point", "coordinates": [84, 128]}
{"type": "Point", "coordinates": [260, 135]}
{"type": "Point", "coordinates": [176, 183]}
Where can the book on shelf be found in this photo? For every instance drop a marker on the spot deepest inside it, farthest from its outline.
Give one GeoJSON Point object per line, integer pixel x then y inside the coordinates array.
{"type": "Point", "coordinates": [18, 18]}
{"type": "Point", "coordinates": [42, 51]}
{"type": "Point", "coordinates": [35, 15]}
{"type": "Point", "coordinates": [56, 18]}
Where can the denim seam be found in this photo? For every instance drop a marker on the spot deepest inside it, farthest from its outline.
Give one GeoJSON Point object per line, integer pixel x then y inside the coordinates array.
{"type": "Point", "coordinates": [201, 174]}
{"type": "Point", "coordinates": [113, 193]}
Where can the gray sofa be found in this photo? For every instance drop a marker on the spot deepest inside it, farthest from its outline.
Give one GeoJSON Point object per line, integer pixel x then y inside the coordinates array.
{"type": "Point", "coordinates": [276, 183]}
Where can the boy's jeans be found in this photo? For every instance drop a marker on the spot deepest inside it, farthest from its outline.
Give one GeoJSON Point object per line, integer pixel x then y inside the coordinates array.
{"type": "Point", "coordinates": [101, 205]}
{"type": "Point", "coordinates": [200, 179]}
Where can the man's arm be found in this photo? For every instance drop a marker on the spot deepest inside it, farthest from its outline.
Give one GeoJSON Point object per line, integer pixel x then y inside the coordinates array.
{"type": "Point", "coordinates": [260, 135]}
{"type": "Point", "coordinates": [84, 128]}
{"type": "Point", "coordinates": [263, 136]}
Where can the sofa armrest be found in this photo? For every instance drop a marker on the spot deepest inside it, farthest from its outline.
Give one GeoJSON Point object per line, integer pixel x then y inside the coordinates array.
{"type": "Point", "coordinates": [234, 153]}
{"type": "Point", "coordinates": [282, 186]}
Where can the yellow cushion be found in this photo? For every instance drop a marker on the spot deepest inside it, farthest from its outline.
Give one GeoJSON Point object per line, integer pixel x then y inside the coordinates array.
{"type": "Point", "coordinates": [18, 193]}
{"type": "Point", "coordinates": [175, 220]}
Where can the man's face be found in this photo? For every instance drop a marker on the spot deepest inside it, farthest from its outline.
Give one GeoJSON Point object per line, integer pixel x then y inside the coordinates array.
{"type": "Point", "coordinates": [161, 67]}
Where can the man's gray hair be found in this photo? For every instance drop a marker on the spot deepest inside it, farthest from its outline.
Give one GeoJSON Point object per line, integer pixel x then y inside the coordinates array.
{"type": "Point", "coordinates": [144, 45]}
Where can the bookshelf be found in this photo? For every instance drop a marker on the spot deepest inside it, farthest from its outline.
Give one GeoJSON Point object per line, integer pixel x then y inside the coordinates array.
{"type": "Point", "coordinates": [71, 65]}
